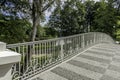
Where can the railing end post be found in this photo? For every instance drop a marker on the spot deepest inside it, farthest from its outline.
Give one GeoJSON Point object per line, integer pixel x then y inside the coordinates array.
{"type": "Point", "coordinates": [7, 59]}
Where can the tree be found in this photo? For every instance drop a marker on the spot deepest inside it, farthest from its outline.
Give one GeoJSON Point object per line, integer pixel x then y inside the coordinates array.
{"type": "Point", "coordinates": [38, 7]}
{"type": "Point", "coordinates": [33, 8]}
{"type": "Point", "coordinates": [15, 34]}
{"type": "Point", "coordinates": [12, 28]}
{"type": "Point", "coordinates": [105, 18]}
{"type": "Point", "coordinates": [117, 4]}
{"type": "Point", "coordinates": [89, 8]}
{"type": "Point", "coordinates": [68, 20]}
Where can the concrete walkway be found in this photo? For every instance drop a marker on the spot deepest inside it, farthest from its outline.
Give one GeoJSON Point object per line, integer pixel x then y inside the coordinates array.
{"type": "Point", "coordinates": [100, 62]}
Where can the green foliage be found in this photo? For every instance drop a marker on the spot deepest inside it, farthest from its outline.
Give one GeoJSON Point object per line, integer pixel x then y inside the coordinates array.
{"type": "Point", "coordinates": [68, 20]}
{"type": "Point", "coordinates": [13, 31]}
{"type": "Point", "coordinates": [77, 17]}
{"type": "Point", "coordinates": [118, 34]}
{"type": "Point", "coordinates": [89, 15]}
{"type": "Point", "coordinates": [72, 17]}
{"type": "Point", "coordinates": [105, 18]}
{"type": "Point", "coordinates": [50, 32]}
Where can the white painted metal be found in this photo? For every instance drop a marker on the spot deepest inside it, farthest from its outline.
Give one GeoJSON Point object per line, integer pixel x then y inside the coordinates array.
{"type": "Point", "coordinates": [40, 55]}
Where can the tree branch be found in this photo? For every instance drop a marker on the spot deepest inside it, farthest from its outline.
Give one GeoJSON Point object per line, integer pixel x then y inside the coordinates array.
{"type": "Point", "coordinates": [2, 3]}
{"type": "Point", "coordinates": [48, 5]}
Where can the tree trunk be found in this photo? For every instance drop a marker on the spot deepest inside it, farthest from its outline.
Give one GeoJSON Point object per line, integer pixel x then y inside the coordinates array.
{"type": "Point", "coordinates": [36, 13]}
{"type": "Point", "coordinates": [36, 21]}
{"type": "Point", "coordinates": [34, 30]}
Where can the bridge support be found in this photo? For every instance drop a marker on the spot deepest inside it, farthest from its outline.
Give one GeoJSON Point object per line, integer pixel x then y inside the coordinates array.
{"type": "Point", "coordinates": [7, 59]}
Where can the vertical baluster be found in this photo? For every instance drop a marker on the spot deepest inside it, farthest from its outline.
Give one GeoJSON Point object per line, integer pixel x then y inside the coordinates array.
{"type": "Point", "coordinates": [19, 65]}
{"type": "Point", "coordinates": [50, 52]}
{"type": "Point", "coordinates": [30, 53]}
{"type": "Point", "coordinates": [64, 48]}
{"type": "Point", "coordinates": [37, 50]}
{"type": "Point", "coordinates": [41, 55]}
{"type": "Point", "coordinates": [33, 56]}
{"type": "Point", "coordinates": [80, 41]}
{"type": "Point", "coordinates": [27, 53]}
{"type": "Point", "coordinates": [77, 45]}
{"type": "Point", "coordinates": [94, 38]}
{"type": "Point", "coordinates": [83, 41]}
{"type": "Point", "coordinates": [23, 56]}
{"type": "Point", "coordinates": [74, 42]}
{"type": "Point", "coordinates": [45, 58]}
{"type": "Point", "coordinates": [49, 55]}
{"type": "Point", "coordinates": [53, 56]}
{"type": "Point", "coordinates": [46, 53]}
{"type": "Point", "coordinates": [61, 52]}
{"type": "Point", "coordinates": [39, 59]}
{"type": "Point", "coordinates": [69, 46]}
{"type": "Point", "coordinates": [54, 50]}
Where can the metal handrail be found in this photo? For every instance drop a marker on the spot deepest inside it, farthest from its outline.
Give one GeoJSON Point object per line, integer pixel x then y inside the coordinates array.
{"type": "Point", "coordinates": [38, 56]}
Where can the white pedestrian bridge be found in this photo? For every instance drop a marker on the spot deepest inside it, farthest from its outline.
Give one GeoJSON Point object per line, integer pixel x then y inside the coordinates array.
{"type": "Point", "coordinates": [88, 56]}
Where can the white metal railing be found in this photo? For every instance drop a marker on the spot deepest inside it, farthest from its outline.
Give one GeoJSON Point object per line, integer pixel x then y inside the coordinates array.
{"type": "Point", "coordinates": [40, 55]}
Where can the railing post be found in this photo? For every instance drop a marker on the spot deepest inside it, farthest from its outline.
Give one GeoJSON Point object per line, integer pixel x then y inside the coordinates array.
{"type": "Point", "coordinates": [87, 43]}
{"type": "Point", "coordinates": [101, 38]}
{"type": "Point", "coordinates": [61, 49]}
{"type": "Point", "coordinates": [70, 50]}
{"type": "Point", "coordinates": [91, 42]}
{"type": "Point", "coordinates": [83, 41]}
{"type": "Point", "coordinates": [77, 48]}
{"type": "Point", "coordinates": [94, 38]}
{"type": "Point", "coordinates": [7, 59]}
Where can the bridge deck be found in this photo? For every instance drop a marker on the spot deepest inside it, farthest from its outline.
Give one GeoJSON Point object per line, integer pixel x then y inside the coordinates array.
{"type": "Point", "coordinates": [100, 62]}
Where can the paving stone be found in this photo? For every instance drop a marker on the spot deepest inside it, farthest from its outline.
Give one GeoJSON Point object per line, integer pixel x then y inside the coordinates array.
{"type": "Point", "coordinates": [95, 58]}
{"type": "Point", "coordinates": [99, 56]}
{"type": "Point", "coordinates": [103, 49]}
{"type": "Point", "coordinates": [118, 53]}
{"type": "Point", "coordinates": [92, 62]}
{"type": "Point", "coordinates": [113, 74]}
{"type": "Point", "coordinates": [100, 53]}
{"type": "Point", "coordinates": [82, 71]}
{"type": "Point", "coordinates": [87, 66]}
{"type": "Point", "coordinates": [106, 77]}
{"type": "Point", "coordinates": [116, 59]}
{"type": "Point", "coordinates": [115, 68]}
{"type": "Point", "coordinates": [115, 63]}
{"type": "Point", "coordinates": [51, 76]}
{"type": "Point", "coordinates": [38, 78]}
{"type": "Point", "coordinates": [69, 74]}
